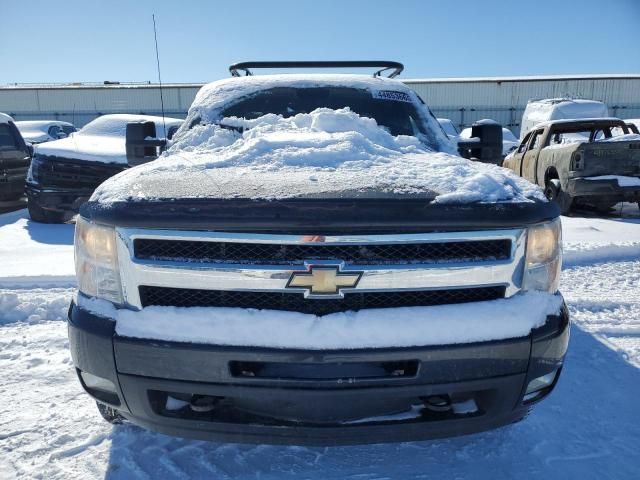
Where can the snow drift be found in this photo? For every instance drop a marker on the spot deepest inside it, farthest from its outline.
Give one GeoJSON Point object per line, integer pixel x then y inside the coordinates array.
{"type": "Point", "coordinates": [319, 153]}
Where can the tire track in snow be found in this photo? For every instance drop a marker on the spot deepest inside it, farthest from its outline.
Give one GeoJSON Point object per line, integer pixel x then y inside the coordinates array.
{"type": "Point", "coordinates": [604, 300]}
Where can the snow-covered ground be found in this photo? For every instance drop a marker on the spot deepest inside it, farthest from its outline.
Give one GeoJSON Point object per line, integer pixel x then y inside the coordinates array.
{"type": "Point", "coordinates": [589, 428]}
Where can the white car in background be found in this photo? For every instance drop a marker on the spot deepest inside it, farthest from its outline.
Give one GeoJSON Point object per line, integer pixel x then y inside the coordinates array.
{"type": "Point", "coordinates": [539, 111]}
{"type": "Point", "coordinates": [509, 140]}
{"type": "Point", "coordinates": [39, 131]}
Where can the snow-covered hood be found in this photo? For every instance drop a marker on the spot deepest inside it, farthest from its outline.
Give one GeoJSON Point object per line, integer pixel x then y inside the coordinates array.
{"type": "Point", "coordinates": [34, 135]}
{"type": "Point", "coordinates": [324, 153]}
{"type": "Point", "coordinates": [92, 148]}
{"type": "Point", "coordinates": [38, 131]}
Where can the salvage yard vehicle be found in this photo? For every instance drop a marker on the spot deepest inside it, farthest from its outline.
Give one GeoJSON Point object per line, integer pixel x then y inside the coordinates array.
{"type": "Point", "coordinates": [39, 131]}
{"type": "Point", "coordinates": [634, 124]}
{"type": "Point", "coordinates": [64, 173]}
{"type": "Point", "coordinates": [15, 156]}
{"type": "Point", "coordinates": [538, 111]}
{"type": "Point", "coordinates": [310, 262]}
{"type": "Point", "coordinates": [581, 162]}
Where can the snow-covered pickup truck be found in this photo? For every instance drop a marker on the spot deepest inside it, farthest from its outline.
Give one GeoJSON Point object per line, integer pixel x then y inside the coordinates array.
{"type": "Point", "coordinates": [64, 173]}
{"type": "Point", "coordinates": [589, 161]}
{"type": "Point", "coordinates": [309, 262]}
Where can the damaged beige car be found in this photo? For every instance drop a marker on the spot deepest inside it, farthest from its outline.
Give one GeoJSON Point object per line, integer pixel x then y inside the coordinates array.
{"type": "Point", "coordinates": [589, 162]}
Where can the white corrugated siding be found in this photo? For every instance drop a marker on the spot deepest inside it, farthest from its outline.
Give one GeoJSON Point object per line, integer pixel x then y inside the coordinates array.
{"type": "Point", "coordinates": [504, 101]}
{"type": "Point", "coordinates": [82, 104]}
{"type": "Point", "coordinates": [461, 100]}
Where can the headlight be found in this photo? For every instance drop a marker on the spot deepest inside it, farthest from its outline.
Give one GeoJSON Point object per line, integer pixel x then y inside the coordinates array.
{"type": "Point", "coordinates": [33, 175]}
{"type": "Point", "coordinates": [97, 261]}
{"type": "Point", "coordinates": [543, 257]}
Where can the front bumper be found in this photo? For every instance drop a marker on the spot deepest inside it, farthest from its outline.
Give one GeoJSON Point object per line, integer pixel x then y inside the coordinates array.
{"type": "Point", "coordinates": [12, 183]}
{"type": "Point", "coordinates": [581, 187]}
{"type": "Point", "coordinates": [311, 399]}
{"type": "Point", "coordinates": [67, 200]}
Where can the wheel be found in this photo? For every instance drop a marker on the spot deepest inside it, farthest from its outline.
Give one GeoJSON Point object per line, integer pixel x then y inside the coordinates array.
{"type": "Point", "coordinates": [110, 414]}
{"type": "Point", "coordinates": [40, 215]}
{"type": "Point", "coordinates": [524, 416]}
{"type": "Point", "coordinates": [604, 208]}
{"type": "Point", "coordinates": [553, 191]}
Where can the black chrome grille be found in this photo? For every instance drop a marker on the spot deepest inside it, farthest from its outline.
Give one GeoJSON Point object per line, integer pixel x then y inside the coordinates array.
{"type": "Point", "coordinates": [295, 302]}
{"type": "Point", "coordinates": [277, 254]}
{"type": "Point", "coordinates": [58, 172]}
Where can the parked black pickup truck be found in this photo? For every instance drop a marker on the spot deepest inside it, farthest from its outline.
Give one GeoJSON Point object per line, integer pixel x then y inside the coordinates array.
{"type": "Point", "coordinates": [310, 263]}
{"type": "Point", "coordinates": [64, 173]}
{"type": "Point", "coordinates": [590, 161]}
{"type": "Point", "coordinates": [15, 157]}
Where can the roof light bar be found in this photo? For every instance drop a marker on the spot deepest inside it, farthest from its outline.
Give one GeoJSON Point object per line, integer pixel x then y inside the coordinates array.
{"type": "Point", "coordinates": [395, 67]}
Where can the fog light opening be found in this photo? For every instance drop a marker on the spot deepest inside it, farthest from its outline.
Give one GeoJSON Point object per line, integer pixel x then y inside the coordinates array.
{"type": "Point", "coordinates": [98, 383]}
{"type": "Point", "coordinates": [99, 388]}
{"type": "Point", "coordinates": [539, 386]}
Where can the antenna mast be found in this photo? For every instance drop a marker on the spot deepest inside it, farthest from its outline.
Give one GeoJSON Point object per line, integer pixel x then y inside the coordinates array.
{"type": "Point", "coordinates": [155, 37]}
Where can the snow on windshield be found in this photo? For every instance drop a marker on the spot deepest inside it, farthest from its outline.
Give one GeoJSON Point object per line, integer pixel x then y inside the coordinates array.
{"type": "Point", "coordinates": [116, 125]}
{"type": "Point", "coordinates": [322, 152]}
{"type": "Point", "coordinates": [213, 99]}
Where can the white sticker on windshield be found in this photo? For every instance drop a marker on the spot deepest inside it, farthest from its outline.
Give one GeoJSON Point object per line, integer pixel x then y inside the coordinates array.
{"type": "Point", "coordinates": [391, 95]}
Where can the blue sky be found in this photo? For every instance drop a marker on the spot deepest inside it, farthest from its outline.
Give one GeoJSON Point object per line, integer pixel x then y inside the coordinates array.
{"type": "Point", "coordinates": [89, 40]}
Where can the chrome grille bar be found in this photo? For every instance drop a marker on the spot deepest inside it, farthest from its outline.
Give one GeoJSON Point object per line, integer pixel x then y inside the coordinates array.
{"type": "Point", "coordinates": [273, 278]}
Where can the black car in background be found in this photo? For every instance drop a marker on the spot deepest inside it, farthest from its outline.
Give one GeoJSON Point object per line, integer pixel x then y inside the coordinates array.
{"type": "Point", "coordinates": [15, 156]}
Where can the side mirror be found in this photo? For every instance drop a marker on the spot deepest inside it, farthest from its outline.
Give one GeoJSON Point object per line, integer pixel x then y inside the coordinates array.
{"type": "Point", "coordinates": [30, 148]}
{"type": "Point", "coordinates": [485, 144]}
{"type": "Point", "coordinates": [141, 143]}
{"type": "Point", "coordinates": [61, 135]}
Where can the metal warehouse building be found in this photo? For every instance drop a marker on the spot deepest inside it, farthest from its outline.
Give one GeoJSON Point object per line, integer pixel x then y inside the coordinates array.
{"type": "Point", "coordinates": [463, 100]}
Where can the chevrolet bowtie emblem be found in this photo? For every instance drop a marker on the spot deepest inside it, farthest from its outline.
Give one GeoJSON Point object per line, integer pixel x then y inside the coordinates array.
{"type": "Point", "coordinates": [323, 280]}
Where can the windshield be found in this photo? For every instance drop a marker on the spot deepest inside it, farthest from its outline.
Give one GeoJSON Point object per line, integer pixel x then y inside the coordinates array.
{"type": "Point", "coordinates": [578, 134]}
{"type": "Point", "coordinates": [448, 127]}
{"type": "Point", "coordinates": [394, 111]}
{"type": "Point", "coordinates": [116, 125]}
{"type": "Point", "coordinates": [8, 140]}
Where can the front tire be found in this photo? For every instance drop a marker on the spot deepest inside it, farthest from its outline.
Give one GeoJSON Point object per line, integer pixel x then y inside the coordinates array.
{"type": "Point", "coordinates": [40, 215]}
{"type": "Point", "coordinates": [110, 414]}
{"type": "Point", "coordinates": [554, 193]}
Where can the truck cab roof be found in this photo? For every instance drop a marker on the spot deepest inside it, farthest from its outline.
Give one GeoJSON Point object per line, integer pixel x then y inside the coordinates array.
{"type": "Point", "coordinates": [586, 122]}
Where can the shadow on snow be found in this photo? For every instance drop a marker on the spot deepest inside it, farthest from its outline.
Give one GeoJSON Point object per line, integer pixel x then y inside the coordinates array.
{"type": "Point", "coordinates": [588, 428]}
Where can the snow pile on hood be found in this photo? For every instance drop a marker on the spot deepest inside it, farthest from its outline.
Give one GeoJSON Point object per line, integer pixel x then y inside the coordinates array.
{"type": "Point", "coordinates": [103, 139]}
{"type": "Point", "coordinates": [323, 152]}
